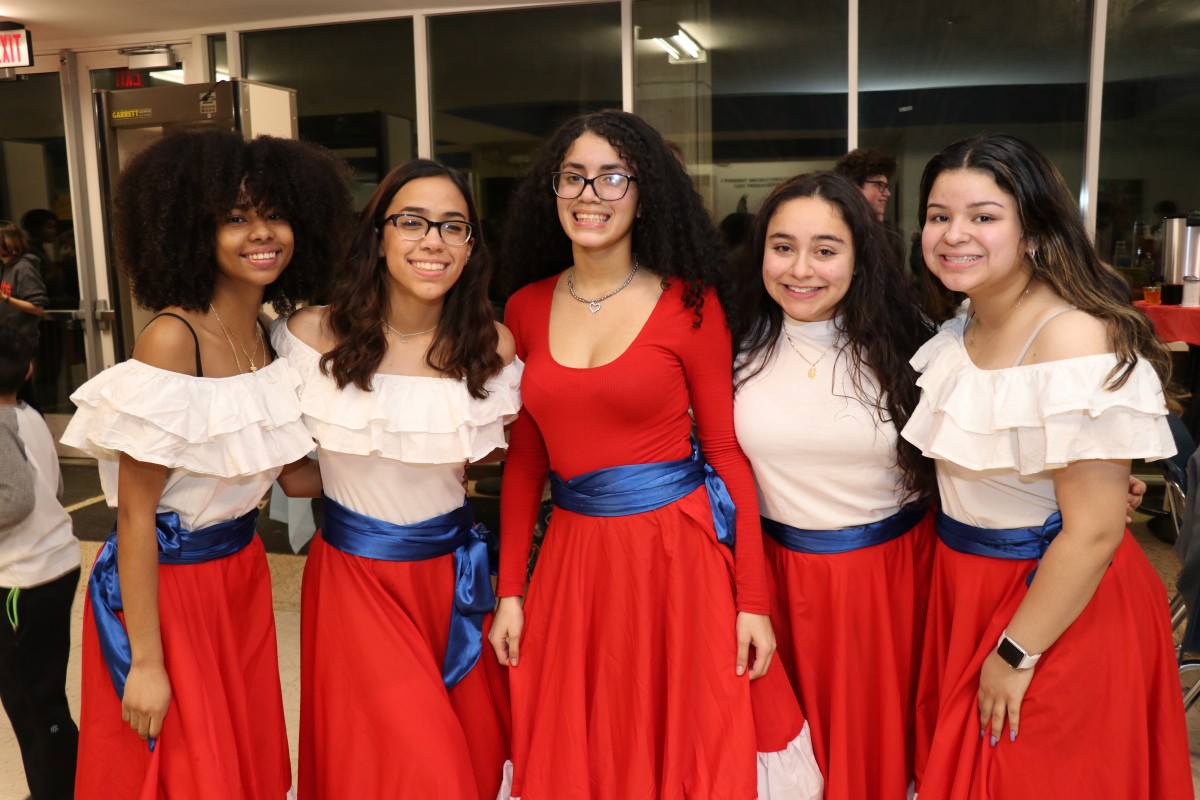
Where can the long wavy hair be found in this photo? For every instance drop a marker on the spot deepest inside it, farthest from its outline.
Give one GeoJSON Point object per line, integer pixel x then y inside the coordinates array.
{"type": "Point", "coordinates": [879, 318]}
{"type": "Point", "coordinates": [674, 235]}
{"type": "Point", "coordinates": [464, 345]}
{"type": "Point", "coordinates": [1062, 253]}
{"type": "Point", "coordinates": [170, 198]}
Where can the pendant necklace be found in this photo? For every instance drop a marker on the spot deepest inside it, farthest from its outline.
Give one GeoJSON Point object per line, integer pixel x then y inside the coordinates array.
{"type": "Point", "coordinates": [594, 305]}
{"type": "Point", "coordinates": [974, 324]}
{"type": "Point", "coordinates": [812, 365]}
{"type": "Point", "coordinates": [404, 337]}
{"type": "Point", "coordinates": [249, 356]}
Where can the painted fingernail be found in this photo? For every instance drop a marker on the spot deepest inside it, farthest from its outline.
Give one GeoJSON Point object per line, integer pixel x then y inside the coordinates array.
{"type": "Point", "coordinates": [994, 741]}
{"type": "Point", "coordinates": [982, 732]}
{"type": "Point", "coordinates": [1012, 736]}
{"type": "Point", "coordinates": [741, 670]}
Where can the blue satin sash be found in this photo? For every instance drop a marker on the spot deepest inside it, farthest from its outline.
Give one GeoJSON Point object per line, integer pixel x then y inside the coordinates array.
{"type": "Point", "coordinates": [1014, 544]}
{"type": "Point", "coordinates": [637, 488]}
{"type": "Point", "coordinates": [176, 545]}
{"type": "Point", "coordinates": [452, 532]}
{"type": "Point", "coordinates": [844, 540]}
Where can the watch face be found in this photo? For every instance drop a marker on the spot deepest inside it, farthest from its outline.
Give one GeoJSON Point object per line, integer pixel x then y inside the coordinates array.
{"type": "Point", "coordinates": [1011, 654]}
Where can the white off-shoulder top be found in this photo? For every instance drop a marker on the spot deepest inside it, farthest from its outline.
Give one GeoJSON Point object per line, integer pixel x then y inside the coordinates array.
{"type": "Point", "coordinates": [998, 435]}
{"type": "Point", "coordinates": [399, 451]}
{"type": "Point", "coordinates": [223, 440]}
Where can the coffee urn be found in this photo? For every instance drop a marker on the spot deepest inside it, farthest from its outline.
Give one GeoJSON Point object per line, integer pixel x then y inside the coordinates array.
{"type": "Point", "coordinates": [1180, 255]}
{"type": "Point", "coordinates": [1191, 263]}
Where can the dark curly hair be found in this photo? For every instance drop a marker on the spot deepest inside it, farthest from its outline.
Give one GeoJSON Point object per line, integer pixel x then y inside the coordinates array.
{"type": "Point", "coordinates": [1063, 255]}
{"type": "Point", "coordinates": [17, 350]}
{"type": "Point", "coordinates": [673, 235]}
{"type": "Point", "coordinates": [860, 164]}
{"type": "Point", "coordinates": [171, 196]}
{"type": "Point", "coordinates": [464, 346]}
{"type": "Point", "coordinates": [879, 317]}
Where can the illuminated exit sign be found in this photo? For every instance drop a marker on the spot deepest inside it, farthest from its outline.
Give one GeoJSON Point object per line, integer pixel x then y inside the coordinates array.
{"type": "Point", "coordinates": [16, 48]}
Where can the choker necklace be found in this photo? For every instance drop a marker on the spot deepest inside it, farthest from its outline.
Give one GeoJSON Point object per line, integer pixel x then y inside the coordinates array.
{"type": "Point", "coordinates": [249, 356]}
{"type": "Point", "coordinates": [812, 365]}
{"type": "Point", "coordinates": [975, 324]}
{"type": "Point", "coordinates": [404, 337]}
{"type": "Point", "coordinates": [594, 305]}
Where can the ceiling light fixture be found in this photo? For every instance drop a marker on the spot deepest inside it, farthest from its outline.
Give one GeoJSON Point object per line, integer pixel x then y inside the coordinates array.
{"type": "Point", "coordinates": [681, 48]}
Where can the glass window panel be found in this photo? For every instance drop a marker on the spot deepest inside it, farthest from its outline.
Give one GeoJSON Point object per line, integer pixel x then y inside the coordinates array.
{"type": "Point", "coordinates": [503, 80]}
{"type": "Point", "coordinates": [770, 101]}
{"type": "Point", "coordinates": [1149, 145]}
{"type": "Point", "coordinates": [218, 57]}
{"type": "Point", "coordinates": [34, 176]}
{"type": "Point", "coordinates": [355, 89]}
{"type": "Point", "coordinates": [932, 73]}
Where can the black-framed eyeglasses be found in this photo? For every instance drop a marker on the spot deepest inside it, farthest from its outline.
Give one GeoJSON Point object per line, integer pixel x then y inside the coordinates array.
{"type": "Point", "coordinates": [883, 186]}
{"type": "Point", "coordinates": [413, 227]}
{"type": "Point", "coordinates": [609, 186]}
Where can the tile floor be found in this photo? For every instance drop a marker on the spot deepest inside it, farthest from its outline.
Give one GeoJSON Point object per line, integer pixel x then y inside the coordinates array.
{"type": "Point", "coordinates": [286, 573]}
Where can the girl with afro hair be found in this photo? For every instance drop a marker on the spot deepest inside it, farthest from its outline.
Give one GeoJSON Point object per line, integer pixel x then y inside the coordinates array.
{"type": "Point", "coordinates": [181, 694]}
{"type": "Point", "coordinates": [632, 649]}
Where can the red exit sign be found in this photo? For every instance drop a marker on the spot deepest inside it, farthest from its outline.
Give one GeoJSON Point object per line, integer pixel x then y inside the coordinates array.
{"type": "Point", "coordinates": [16, 49]}
{"type": "Point", "coordinates": [125, 78]}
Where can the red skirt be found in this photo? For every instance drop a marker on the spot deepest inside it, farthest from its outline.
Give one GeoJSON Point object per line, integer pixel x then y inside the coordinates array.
{"type": "Point", "coordinates": [626, 686]}
{"type": "Point", "coordinates": [1103, 717]}
{"type": "Point", "coordinates": [849, 627]}
{"type": "Point", "coordinates": [223, 735]}
{"type": "Point", "coordinates": [376, 719]}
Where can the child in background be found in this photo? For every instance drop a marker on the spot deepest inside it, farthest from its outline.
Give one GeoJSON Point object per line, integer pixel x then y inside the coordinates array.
{"type": "Point", "coordinates": [39, 572]}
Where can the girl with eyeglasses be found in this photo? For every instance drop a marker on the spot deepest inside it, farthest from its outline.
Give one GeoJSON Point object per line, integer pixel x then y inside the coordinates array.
{"type": "Point", "coordinates": [181, 694]}
{"type": "Point", "coordinates": [825, 323]}
{"type": "Point", "coordinates": [631, 650]}
{"type": "Point", "coordinates": [406, 377]}
{"type": "Point", "coordinates": [1048, 668]}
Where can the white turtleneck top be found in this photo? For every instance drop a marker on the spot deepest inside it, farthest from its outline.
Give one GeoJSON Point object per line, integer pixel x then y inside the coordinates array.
{"type": "Point", "coordinates": [822, 457]}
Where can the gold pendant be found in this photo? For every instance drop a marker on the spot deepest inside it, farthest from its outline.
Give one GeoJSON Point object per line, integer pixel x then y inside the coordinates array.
{"type": "Point", "coordinates": [812, 372]}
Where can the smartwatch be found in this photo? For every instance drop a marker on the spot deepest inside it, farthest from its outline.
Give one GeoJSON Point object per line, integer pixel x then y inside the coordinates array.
{"type": "Point", "coordinates": [1014, 655]}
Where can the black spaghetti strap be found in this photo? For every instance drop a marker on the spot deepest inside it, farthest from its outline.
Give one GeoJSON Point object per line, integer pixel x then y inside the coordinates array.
{"type": "Point", "coordinates": [192, 331]}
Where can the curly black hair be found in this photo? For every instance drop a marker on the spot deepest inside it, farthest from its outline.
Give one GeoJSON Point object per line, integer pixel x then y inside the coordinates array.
{"type": "Point", "coordinates": [860, 164]}
{"type": "Point", "coordinates": [673, 236]}
{"type": "Point", "coordinates": [464, 346]}
{"type": "Point", "coordinates": [171, 196]}
{"type": "Point", "coordinates": [18, 347]}
{"type": "Point", "coordinates": [880, 317]}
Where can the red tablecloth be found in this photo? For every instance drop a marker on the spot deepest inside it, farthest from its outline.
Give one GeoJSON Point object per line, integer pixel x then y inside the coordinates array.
{"type": "Point", "coordinates": [1173, 323]}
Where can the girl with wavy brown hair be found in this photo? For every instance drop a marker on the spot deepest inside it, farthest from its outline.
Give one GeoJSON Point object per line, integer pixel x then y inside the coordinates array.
{"type": "Point", "coordinates": [406, 378]}
{"type": "Point", "coordinates": [1048, 668]}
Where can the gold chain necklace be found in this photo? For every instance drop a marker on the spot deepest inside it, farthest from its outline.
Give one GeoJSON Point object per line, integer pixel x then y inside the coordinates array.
{"type": "Point", "coordinates": [812, 365]}
{"type": "Point", "coordinates": [249, 356]}
{"type": "Point", "coordinates": [404, 337]}
{"type": "Point", "coordinates": [974, 324]}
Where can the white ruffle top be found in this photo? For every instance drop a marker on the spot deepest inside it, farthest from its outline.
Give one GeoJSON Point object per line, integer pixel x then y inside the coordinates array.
{"type": "Point", "coordinates": [399, 451]}
{"type": "Point", "coordinates": [822, 458]}
{"type": "Point", "coordinates": [223, 440]}
{"type": "Point", "coordinates": [998, 435]}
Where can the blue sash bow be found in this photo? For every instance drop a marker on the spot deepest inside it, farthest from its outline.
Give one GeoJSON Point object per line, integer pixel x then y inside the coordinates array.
{"type": "Point", "coordinates": [1014, 544]}
{"type": "Point", "coordinates": [636, 488]}
{"type": "Point", "coordinates": [843, 540]}
{"type": "Point", "coordinates": [175, 546]}
{"type": "Point", "coordinates": [452, 532]}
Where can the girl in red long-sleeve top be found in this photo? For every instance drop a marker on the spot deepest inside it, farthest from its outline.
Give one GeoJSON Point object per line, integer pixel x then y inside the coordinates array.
{"type": "Point", "coordinates": [631, 648]}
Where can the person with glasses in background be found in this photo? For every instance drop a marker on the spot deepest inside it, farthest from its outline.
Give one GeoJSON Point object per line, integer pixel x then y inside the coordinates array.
{"type": "Point", "coordinates": [872, 171]}
{"type": "Point", "coordinates": [631, 650]}
{"type": "Point", "coordinates": [406, 377]}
